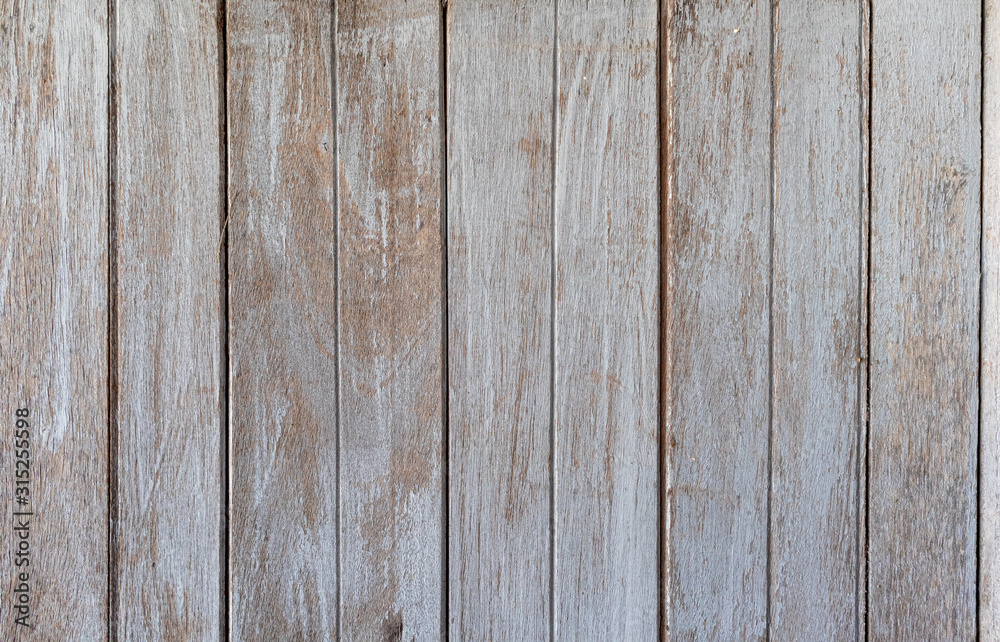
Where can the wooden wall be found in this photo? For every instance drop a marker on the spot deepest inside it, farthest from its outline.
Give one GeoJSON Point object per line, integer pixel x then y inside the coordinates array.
{"type": "Point", "coordinates": [520, 320]}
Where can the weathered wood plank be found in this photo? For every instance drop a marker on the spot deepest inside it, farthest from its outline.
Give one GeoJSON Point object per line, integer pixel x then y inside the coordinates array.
{"type": "Point", "coordinates": [817, 313]}
{"type": "Point", "coordinates": [989, 515]}
{"type": "Point", "coordinates": [54, 312]}
{"type": "Point", "coordinates": [391, 340]}
{"type": "Point", "coordinates": [169, 344]}
{"type": "Point", "coordinates": [283, 321]}
{"type": "Point", "coordinates": [925, 265]}
{"type": "Point", "coordinates": [500, 102]}
{"type": "Point", "coordinates": [717, 101]}
{"type": "Point", "coordinates": [607, 321]}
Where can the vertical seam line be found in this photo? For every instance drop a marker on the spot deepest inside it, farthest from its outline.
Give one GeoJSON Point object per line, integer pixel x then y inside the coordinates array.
{"type": "Point", "coordinates": [112, 338]}
{"type": "Point", "coordinates": [334, 99]}
{"type": "Point", "coordinates": [770, 323]}
{"type": "Point", "coordinates": [868, 309]}
{"type": "Point", "coordinates": [224, 427]}
{"type": "Point", "coordinates": [553, 262]}
{"type": "Point", "coordinates": [445, 332]}
{"type": "Point", "coordinates": [979, 374]}
{"type": "Point", "coordinates": [861, 396]}
{"type": "Point", "coordinates": [661, 542]}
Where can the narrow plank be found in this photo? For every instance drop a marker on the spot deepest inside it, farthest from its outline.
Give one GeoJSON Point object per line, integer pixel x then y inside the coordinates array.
{"type": "Point", "coordinates": [817, 314]}
{"type": "Point", "coordinates": [716, 317]}
{"type": "Point", "coordinates": [391, 340]}
{"type": "Point", "coordinates": [989, 513]}
{"type": "Point", "coordinates": [607, 321]}
{"type": "Point", "coordinates": [500, 170]}
{"type": "Point", "coordinates": [168, 215]}
{"type": "Point", "coordinates": [925, 265]}
{"type": "Point", "coordinates": [283, 321]}
{"type": "Point", "coordinates": [54, 312]}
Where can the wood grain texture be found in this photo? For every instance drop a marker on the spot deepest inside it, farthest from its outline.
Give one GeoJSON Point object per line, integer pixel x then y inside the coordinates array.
{"type": "Point", "coordinates": [925, 266]}
{"type": "Point", "coordinates": [989, 502]}
{"type": "Point", "coordinates": [169, 344]}
{"type": "Point", "coordinates": [282, 321]}
{"type": "Point", "coordinates": [716, 317]}
{"type": "Point", "coordinates": [607, 321]}
{"type": "Point", "coordinates": [500, 170]}
{"type": "Point", "coordinates": [817, 313]}
{"type": "Point", "coordinates": [53, 309]}
{"type": "Point", "coordinates": [389, 147]}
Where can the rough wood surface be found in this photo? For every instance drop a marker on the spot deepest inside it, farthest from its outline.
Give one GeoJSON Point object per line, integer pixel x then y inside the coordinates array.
{"type": "Point", "coordinates": [925, 319]}
{"type": "Point", "coordinates": [389, 148]}
{"type": "Point", "coordinates": [53, 310]}
{"type": "Point", "coordinates": [716, 316]}
{"type": "Point", "coordinates": [500, 102]}
{"type": "Point", "coordinates": [635, 402]}
{"type": "Point", "coordinates": [989, 502]}
{"type": "Point", "coordinates": [282, 321]}
{"type": "Point", "coordinates": [169, 345]}
{"type": "Point", "coordinates": [818, 155]}
{"type": "Point", "coordinates": [607, 321]}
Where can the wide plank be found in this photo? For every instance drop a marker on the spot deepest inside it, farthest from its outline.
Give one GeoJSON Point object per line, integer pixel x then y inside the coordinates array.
{"type": "Point", "coordinates": [500, 104]}
{"type": "Point", "coordinates": [282, 261]}
{"type": "Point", "coordinates": [168, 208]}
{"type": "Point", "coordinates": [607, 321]}
{"type": "Point", "coordinates": [819, 151]}
{"type": "Point", "coordinates": [716, 269]}
{"type": "Point", "coordinates": [389, 150]}
{"type": "Point", "coordinates": [54, 318]}
{"type": "Point", "coordinates": [925, 278]}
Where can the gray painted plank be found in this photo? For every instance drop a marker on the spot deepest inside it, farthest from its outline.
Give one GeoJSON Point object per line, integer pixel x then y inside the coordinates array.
{"type": "Point", "coordinates": [716, 269]}
{"type": "Point", "coordinates": [282, 321]}
{"type": "Point", "coordinates": [53, 310]}
{"type": "Point", "coordinates": [389, 148]}
{"type": "Point", "coordinates": [817, 314]}
{"type": "Point", "coordinates": [925, 266]}
{"type": "Point", "coordinates": [500, 102]}
{"type": "Point", "coordinates": [168, 213]}
{"type": "Point", "coordinates": [989, 515]}
{"type": "Point", "coordinates": [607, 321]}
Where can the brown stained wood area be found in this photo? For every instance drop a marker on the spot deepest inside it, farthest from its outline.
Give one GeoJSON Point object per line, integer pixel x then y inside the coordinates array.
{"type": "Point", "coordinates": [476, 320]}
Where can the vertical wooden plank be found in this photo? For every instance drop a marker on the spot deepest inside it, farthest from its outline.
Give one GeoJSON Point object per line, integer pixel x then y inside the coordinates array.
{"type": "Point", "coordinates": [716, 316]}
{"type": "Point", "coordinates": [500, 171]}
{"type": "Point", "coordinates": [168, 213]}
{"type": "Point", "coordinates": [989, 514]}
{"type": "Point", "coordinates": [283, 321]}
{"type": "Point", "coordinates": [389, 206]}
{"type": "Point", "coordinates": [607, 321]}
{"type": "Point", "coordinates": [818, 155]}
{"type": "Point", "coordinates": [925, 266]}
{"type": "Point", "coordinates": [53, 315]}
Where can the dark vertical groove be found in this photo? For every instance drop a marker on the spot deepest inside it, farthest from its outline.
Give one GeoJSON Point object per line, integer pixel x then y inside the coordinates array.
{"type": "Point", "coordinates": [860, 445]}
{"type": "Point", "coordinates": [770, 324]}
{"type": "Point", "coordinates": [334, 99]}
{"type": "Point", "coordinates": [868, 309]}
{"type": "Point", "coordinates": [553, 263]}
{"type": "Point", "coordinates": [979, 373]}
{"type": "Point", "coordinates": [112, 347]}
{"type": "Point", "coordinates": [445, 329]}
{"type": "Point", "coordinates": [224, 486]}
{"type": "Point", "coordinates": [661, 342]}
